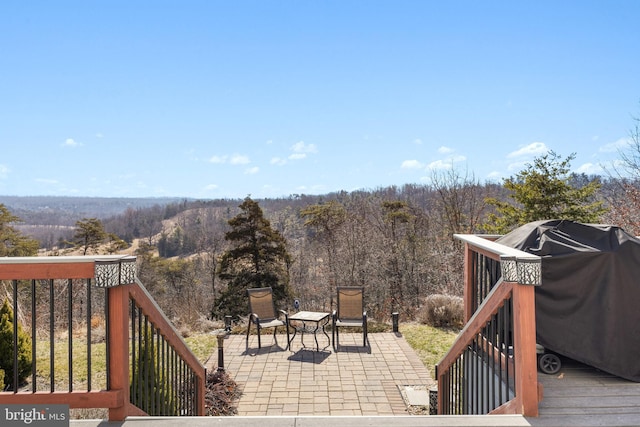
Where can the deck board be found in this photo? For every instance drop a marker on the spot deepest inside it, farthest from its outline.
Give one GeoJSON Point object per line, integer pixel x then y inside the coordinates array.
{"type": "Point", "coordinates": [580, 395]}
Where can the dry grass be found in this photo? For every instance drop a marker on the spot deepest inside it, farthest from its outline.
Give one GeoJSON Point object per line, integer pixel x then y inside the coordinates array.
{"type": "Point", "coordinates": [431, 344]}
{"type": "Point", "coordinates": [202, 345]}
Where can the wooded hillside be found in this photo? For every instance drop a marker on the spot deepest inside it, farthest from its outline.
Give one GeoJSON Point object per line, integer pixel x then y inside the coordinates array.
{"type": "Point", "coordinates": [397, 242]}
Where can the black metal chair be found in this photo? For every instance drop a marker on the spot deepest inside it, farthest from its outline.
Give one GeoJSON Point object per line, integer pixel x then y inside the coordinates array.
{"type": "Point", "coordinates": [263, 313]}
{"type": "Point", "coordinates": [350, 313]}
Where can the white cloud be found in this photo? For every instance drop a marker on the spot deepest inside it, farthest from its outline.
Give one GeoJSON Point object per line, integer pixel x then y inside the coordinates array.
{"type": "Point", "coordinates": [445, 150]}
{"type": "Point", "coordinates": [411, 164]}
{"type": "Point", "coordinates": [614, 147]}
{"type": "Point", "coordinates": [417, 141]}
{"type": "Point", "coordinates": [532, 149]}
{"type": "Point", "coordinates": [516, 165]}
{"type": "Point", "coordinates": [218, 159]}
{"type": "Point", "coordinates": [238, 159]}
{"type": "Point", "coordinates": [590, 169]}
{"type": "Point", "coordinates": [300, 151]}
{"type": "Point", "coordinates": [301, 147]}
{"type": "Point", "coordinates": [4, 171]}
{"type": "Point", "coordinates": [494, 175]}
{"type": "Point", "coordinates": [211, 187]}
{"type": "Point", "coordinates": [278, 161]}
{"type": "Point", "coordinates": [252, 171]}
{"type": "Point", "coordinates": [99, 135]}
{"type": "Point", "coordinates": [47, 181]}
{"type": "Point", "coordinates": [70, 142]}
{"type": "Point", "coordinates": [446, 163]}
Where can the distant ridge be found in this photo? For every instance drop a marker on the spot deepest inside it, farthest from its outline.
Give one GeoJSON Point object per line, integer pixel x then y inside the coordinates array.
{"type": "Point", "coordinates": [79, 207]}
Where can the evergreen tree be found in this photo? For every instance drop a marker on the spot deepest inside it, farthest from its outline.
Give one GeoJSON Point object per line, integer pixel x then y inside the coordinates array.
{"type": "Point", "coordinates": [545, 190]}
{"type": "Point", "coordinates": [90, 234]}
{"type": "Point", "coordinates": [12, 242]}
{"type": "Point", "coordinates": [258, 258]}
{"type": "Point", "coordinates": [6, 348]}
{"type": "Point", "coordinates": [151, 389]}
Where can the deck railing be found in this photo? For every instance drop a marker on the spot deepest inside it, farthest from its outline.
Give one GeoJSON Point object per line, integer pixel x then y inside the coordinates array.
{"type": "Point", "coordinates": [491, 367]}
{"type": "Point", "coordinates": [97, 339]}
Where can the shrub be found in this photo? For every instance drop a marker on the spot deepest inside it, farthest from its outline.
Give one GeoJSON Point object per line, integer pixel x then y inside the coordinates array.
{"type": "Point", "coordinates": [221, 394]}
{"type": "Point", "coordinates": [442, 311]}
{"type": "Point", "coordinates": [6, 349]}
{"type": "Point", "coordinates": [151, 390]}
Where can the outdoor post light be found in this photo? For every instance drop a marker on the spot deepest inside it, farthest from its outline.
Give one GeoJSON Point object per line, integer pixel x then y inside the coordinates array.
{"type": "Point", "coordinates": [127, 270]}
{"type": "Point", "coordinates": [509, 268]}
{"type": "Point", "coordinates": [115, 271]}
{"type": "Point", "coordinates": [221, 352]}
{"type": "Point", "coordinates": [530, 271]}
{"type": "Point", "coordinates": [394, 318]}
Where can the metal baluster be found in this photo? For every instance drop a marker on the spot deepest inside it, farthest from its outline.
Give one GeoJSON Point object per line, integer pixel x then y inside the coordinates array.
{"type": "Point", "coordinates": [88, 334]}
{"type": "Point", "coordinates": [52, 369]}
{"type": "Point", "coordinates": [133, 398]}
{"type": "Point", "coordinates": [33, 336]}
{"type": "Point", "coordinates": [70, 328]}
{"type": "Point", "coordinates": [15, 336]}
{"type": "Point", "coordinates": [108, 337]}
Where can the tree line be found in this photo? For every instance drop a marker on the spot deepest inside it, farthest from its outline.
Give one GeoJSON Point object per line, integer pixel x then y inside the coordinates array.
{"type": "Point", "coordinates": [198, 257]}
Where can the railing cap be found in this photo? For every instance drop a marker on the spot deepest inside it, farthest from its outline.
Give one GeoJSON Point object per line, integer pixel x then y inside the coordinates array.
{"type": "Point", "coordinates": [517, 266]}
{"type": "Point", "coordinates": [494, 247]}
{"type": "Point", "coordinates": [62, 259]}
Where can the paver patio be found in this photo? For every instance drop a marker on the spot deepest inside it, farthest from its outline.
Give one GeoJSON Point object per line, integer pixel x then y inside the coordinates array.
{"type": "Point", "coordinates": [300, 381]}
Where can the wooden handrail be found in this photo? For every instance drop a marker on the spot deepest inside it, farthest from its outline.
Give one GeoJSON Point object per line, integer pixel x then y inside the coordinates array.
{"type": "Point", "coordinates": [524, 331]}
{"type": "Point", "coordinates": [143, 299]}
{"type": "Point", "coordinates": [149, 306]}
{"type": "Point", "coordinates": [117, 395]}
{"type": "Point", "coordinates": [488, 308]}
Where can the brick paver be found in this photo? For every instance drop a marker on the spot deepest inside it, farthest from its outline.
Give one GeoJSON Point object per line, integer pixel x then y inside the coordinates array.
{"type": "Point", "coordinates": [353, 381]}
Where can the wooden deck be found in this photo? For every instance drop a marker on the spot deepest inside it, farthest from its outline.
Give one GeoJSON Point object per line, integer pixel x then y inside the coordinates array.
{"type": "Point", "coordinates": [577, 396]}
{"type": "Point", "coordinates": [583, 396]}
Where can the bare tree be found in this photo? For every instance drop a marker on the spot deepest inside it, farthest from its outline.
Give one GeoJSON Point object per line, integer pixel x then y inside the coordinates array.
{"type": "Point", "coordinates": [461, 204]}
{"type": "Point", "coordinates": [623, 191]}
{"type": "Point", "coordinates": [326, 219]}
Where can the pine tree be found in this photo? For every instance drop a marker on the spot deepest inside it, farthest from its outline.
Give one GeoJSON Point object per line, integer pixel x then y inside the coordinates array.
{"type": "Point", "coordinates": [89, 234]}
{"type": "Point", "coordinates": [258, 258]}
{"type": "Point", "coordinates": [12, 242]}
{"type": "Point", "coordinates": [152, 390]}
{"type": "Point", "coordinates": [6, 348]}
{"type": "Point", "coordinates": [544, 190]}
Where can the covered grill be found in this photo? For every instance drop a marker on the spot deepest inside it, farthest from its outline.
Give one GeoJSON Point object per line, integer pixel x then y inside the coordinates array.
{"type": "Point", "coordinates": [588, 306]}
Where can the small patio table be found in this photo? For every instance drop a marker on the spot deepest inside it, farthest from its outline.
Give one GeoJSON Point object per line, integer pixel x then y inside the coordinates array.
{"type": "Point", "coordinates": [309, 321]}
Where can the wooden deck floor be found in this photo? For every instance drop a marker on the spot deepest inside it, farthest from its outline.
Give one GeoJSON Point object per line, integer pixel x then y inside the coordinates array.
{"type": "Point", "coordinates": [583, 396]}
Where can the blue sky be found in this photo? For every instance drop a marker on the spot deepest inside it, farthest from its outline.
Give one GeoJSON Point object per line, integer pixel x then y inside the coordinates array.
{"type": "Point", "coordinates": [224, 99]}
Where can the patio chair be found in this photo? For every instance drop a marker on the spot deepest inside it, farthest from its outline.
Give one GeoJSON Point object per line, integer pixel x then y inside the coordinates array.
{"type": "Point", "coordinates": [263, 313]}
{"type": "Point", "coordinates": [350, 313]}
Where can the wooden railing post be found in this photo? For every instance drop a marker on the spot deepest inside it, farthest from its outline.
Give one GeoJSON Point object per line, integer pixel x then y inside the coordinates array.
{"type": "Point", "coordinates": [469, 283]}
{"type": "Point", "coordinates": [201, 390]}
{"type": "Point", "coordinates": [519, 273]}
{"type": "Point", "coordinates": [524, 314]}
{"type": "Point", "coordinates": [119, 348]}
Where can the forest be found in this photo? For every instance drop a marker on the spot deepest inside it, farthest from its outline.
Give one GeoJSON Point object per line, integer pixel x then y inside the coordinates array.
{"type": "Point", "coordinates": [397, 242]}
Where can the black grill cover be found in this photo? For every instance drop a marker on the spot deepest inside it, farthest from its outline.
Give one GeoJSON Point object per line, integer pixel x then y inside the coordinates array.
{"type": "Point", "coordinates": [588, 306]}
